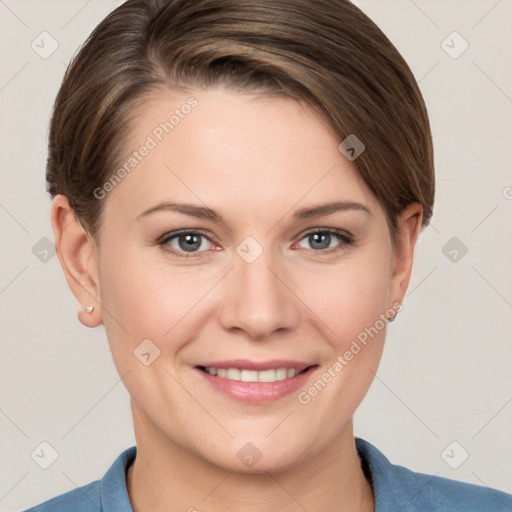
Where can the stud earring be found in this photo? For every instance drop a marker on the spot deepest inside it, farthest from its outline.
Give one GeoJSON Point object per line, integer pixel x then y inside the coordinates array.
{"type": "Point", "coordinates": [392, 319]}
{"type": "Point", "coordinates": [89, 309]}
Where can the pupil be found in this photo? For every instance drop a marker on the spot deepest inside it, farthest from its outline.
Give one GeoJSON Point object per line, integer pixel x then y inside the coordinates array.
{"type": "Point", "coordinates": [317, 238]}
{"type": "Point", "coordinates": [191, 242]}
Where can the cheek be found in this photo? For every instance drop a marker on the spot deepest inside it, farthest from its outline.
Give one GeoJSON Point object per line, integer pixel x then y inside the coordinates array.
{"type": "Point", "coordinates": [147, 298]}
{"type": "Point", "coordinates": [351, 297]}
{"type": "Point", "coordinates": [143, 300]}
{"type": "Point", "coordinates": [350, 304]}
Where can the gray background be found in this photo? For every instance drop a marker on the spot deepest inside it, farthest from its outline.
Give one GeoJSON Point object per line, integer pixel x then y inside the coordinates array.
{"type": "Point", "coordinates": [445, 376]}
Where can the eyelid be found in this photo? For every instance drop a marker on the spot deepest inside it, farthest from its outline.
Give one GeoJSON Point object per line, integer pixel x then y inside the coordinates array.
{"type": "Point", "coordinates": [340, 232]}
{"type": "Point", "coordinates": [185, 231]}
{"type": "Point", "coordinates": [346, 239]}
{"type": "Point", "coordinates": [164, 239]}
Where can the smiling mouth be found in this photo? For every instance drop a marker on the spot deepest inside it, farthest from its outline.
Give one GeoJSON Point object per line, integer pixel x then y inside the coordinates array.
{"type": "Point", "coordinates": [244, 375]}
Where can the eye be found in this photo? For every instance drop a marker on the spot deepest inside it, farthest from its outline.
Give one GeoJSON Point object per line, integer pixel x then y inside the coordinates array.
{"type": "Point", "coordinates": [321, 239]}
{"type": "Point", "coordinates": [185, 243]}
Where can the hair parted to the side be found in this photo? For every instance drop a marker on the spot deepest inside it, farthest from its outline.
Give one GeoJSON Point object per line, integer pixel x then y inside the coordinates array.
{"type": "Point", "coordinates": [326, 53]}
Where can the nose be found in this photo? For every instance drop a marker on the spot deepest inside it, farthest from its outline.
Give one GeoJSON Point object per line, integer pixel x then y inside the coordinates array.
{"type": "Point", "coordinates": [259, 297]}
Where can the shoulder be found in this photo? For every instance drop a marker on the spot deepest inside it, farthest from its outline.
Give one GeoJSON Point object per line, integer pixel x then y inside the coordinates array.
{"type": "Point", "coordinates": [444, 494]}
{"type": "Point", "coordinates": [103, 495]}
{"type": "Point", "coordinates": [82, 499]}
{"type": "Point", "coordinates": [397, 486]}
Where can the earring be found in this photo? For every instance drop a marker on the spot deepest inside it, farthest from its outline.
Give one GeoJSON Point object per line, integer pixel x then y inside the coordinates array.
{"type": "Point", "coordinates": [89, 309]}
{"type": "Point", "coordinates": [392, 319]}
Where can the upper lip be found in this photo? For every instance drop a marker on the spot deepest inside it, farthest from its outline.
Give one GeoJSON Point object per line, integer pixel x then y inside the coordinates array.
{"type": "Point", "coordinates": [245, 364]}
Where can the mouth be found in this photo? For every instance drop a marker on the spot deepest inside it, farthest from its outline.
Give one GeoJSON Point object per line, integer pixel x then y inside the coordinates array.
{"type": "Point", "coordinates": [255, 382]}
{"type": "Point", "coordinates": [246, 375]}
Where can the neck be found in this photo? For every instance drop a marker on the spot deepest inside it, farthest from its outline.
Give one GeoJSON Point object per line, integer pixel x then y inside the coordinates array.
{"type": "Point", "coordinates": [165, 476]}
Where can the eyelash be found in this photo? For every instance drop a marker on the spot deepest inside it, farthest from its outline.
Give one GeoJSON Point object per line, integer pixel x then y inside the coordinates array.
{"type": "Point", "coordinates": [345, 238]}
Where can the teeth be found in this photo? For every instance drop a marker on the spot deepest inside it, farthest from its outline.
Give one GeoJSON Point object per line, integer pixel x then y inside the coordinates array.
{"type": "Point", "coordinates": [253, 375]}
{"type": "Point", "coordinates": [267, 376]}
{"type": "Point", "coordinates": [281, 374]}
{"type": "Point", "coordinates": [249, 376]}
{"type": "Point", "coordinates": [233, 374]}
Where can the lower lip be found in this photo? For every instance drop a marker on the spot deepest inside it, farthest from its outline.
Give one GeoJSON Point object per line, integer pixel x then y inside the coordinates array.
{"type": "Point", "coordinates": [257, 392]}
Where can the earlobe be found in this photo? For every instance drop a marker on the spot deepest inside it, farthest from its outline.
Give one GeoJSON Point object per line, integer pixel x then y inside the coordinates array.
{"type": "Point", "coordinates": [409, 226]}
{"type": "Point", "coordinates": [77, 253]}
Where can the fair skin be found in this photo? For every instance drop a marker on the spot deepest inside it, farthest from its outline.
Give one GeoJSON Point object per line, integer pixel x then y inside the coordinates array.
{"type": "Point", "coordinates": [255, 161]}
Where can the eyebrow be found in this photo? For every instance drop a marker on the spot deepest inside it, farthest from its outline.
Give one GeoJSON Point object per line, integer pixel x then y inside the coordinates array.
{"type": "Point", "coordinates": [326, 209]}
{"type": "Point", "coordinates": [203, 212]}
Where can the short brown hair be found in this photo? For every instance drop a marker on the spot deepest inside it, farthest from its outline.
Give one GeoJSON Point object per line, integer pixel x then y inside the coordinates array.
{"type": "Point", "coordinates": [327, 53]}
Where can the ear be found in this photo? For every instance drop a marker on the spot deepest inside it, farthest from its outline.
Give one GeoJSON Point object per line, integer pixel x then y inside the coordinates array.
{"type": "Point", "coordinates": [78, 256]}
{"type": "Point", "coordinates": [409, 227]}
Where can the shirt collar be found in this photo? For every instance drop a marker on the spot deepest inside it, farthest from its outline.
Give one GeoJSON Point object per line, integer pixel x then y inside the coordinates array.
{"type": "Point", "coordinates": [113, 491]}
{"type": "Point", "coordinates": [379, 471]}
{"type": "Point", "coordinates": [114, 494]}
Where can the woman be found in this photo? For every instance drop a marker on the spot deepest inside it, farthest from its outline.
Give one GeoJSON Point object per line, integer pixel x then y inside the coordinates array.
{"type": "Point", "coordinates": [238, 190]}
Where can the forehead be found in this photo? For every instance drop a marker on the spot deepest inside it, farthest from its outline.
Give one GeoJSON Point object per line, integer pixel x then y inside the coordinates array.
{"type": "Point", "coordinates": [221, 146]}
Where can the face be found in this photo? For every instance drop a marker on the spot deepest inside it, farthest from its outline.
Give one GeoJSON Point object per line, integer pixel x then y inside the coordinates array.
{"type": "Point", "coordinates": [216, 256]}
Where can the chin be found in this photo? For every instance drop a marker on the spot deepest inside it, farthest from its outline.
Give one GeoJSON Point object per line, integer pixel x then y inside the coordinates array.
{"type": "Point", "coordinates": [273, 463]}
{"type": "Point", "coordinates": [257, 456]}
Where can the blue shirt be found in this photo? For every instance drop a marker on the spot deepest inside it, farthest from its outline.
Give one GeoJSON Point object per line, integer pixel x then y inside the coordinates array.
{"type": "Point", "coordinates": [396, 489]}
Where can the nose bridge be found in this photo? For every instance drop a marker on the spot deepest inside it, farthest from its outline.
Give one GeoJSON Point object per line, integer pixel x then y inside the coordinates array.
{"type": "Point", "coordinates": [256, 299]}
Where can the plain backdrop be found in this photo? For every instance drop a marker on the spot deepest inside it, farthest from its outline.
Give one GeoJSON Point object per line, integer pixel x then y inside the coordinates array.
{"type": "Point", "coordinates": [444, 387]}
